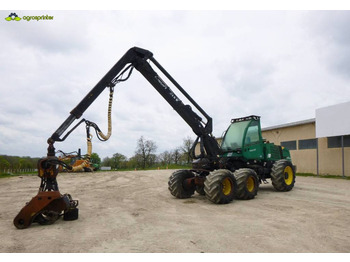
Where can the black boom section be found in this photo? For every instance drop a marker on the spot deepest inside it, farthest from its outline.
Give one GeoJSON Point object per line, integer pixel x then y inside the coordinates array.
{"type": "Point", "coordinates": [185, 111]}
{"type": "Point", "coordinates": [129, 57]}
{"type": "Point", "coordinates": [140, 58]}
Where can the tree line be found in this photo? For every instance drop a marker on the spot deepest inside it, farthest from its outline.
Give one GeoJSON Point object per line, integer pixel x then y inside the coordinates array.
{"type": "Point", "coordinates": [16, 162]}
{"type": "Point", "coordinates": [144, 157]}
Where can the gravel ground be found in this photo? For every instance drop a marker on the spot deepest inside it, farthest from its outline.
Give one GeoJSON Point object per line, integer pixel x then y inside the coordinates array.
{"type": "Point", "coordinates": [123, 212]}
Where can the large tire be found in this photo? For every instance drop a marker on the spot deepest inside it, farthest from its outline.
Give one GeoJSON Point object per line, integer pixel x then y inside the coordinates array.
{"type": "Point", "coordinates": [247, 183]}
{"type": "Point", "coordinates": [283, 175]}
{"type": "Point", "coordinates": [176, 186]}
{"type": "Point", "coordinates": [220, 186]}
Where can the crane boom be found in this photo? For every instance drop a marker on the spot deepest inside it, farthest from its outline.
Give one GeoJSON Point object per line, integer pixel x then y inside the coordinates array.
{"type": "Point", "coordinates": [49, 204]}
{"type": "Point", "coordinates": [139, 59]}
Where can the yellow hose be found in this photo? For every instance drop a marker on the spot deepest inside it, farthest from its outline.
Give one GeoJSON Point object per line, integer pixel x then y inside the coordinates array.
{"type": "Point", "coordinates": [106, 137]}
{"type": "Point", "coordinates": [86, 162]}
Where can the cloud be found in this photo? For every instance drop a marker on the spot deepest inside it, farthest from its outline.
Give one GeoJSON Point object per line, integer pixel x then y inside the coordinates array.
{"type": "Point", "coordinates": [280, 65]}
{"type": "Point", "coordinates": [330, 30]}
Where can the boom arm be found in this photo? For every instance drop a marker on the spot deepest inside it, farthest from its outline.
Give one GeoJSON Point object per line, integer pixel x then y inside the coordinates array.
{"type": "Point", "coordinates": [139, 58]}
{"type": "Point", "coordinates": [47, 206]}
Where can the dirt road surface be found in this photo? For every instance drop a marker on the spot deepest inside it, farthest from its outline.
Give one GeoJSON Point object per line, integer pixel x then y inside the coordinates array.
{"type": "Point", "coordinates": [134, 212]}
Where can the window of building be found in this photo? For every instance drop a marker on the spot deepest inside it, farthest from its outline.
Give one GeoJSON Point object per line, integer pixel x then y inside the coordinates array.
{"type": "Point", "coordinates": [291, 145]}
{"type": "Point", "coordinates": [307, 143]}
{"type": "Point", "coordinates": [335, 141]}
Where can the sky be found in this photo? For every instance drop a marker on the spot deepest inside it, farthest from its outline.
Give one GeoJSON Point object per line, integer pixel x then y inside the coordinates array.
{"type": "Point", "coordinates": [280, 65]}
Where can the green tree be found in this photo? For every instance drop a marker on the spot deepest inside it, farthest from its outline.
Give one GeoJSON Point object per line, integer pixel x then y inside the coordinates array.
{"type": "Point", "coordinates": [135, 161]}
{"type": "Point", "coordinates": [24, 163]}
{"type": "Point", "coordinates": [176, 155]}
{"type": "Point", "coordinates": [4, 164]}
{"type": "Point", "coordinates": [146, 149]}
{"type": "Point", "coordinates": [165, 158]}
{"type": "Point", "coordinates": [119, 161]}
{"type": "Point", "coordinates": [107, 161]}
{"type": "Point", "coordinates": [14, 162]}
{"type": "Point", "coordinates": [95, 158]}
{"type": "Point", "coordinates": [186, 148]}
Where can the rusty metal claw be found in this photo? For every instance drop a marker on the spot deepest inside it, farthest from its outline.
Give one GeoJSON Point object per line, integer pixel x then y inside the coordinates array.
{"type": "Point", "coordinates": [49, 204]}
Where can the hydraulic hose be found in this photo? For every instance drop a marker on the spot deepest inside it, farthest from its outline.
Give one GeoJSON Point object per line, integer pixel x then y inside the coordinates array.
{"type": "Point", "coordinates": [86, 162]}
{"type": "Point", "coordinates": [109, 132]}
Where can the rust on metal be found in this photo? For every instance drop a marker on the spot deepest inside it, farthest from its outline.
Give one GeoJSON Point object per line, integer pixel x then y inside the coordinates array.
{"type": "Point", "coordinates": [49, 204]}
{"type": "Point", "coordinates": [38, 204]}
{"type": "Point", "coordinates": [194, 181]}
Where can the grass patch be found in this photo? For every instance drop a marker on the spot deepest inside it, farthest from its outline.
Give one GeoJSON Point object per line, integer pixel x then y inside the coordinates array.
{"type": "Point", "coordinates": [2, 175]}
{"type": "Point", "coordinates": [5, 175]}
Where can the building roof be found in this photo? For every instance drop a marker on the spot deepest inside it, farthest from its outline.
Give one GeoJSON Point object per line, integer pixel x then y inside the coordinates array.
{"type": "Point", "coordinates": [298, 123]}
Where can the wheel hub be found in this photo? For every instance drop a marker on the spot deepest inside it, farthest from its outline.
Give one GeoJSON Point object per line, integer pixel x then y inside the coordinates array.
{"type": "Point", "coordinates": [226, 186]}
{"type": "Point", "coordinates": [250, 184]}
{"type": "Point", "coordinates": [288, 175]}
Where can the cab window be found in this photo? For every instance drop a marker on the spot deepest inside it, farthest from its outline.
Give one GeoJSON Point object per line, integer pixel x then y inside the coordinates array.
{"type": "Point", "coordinates": [252, 135]}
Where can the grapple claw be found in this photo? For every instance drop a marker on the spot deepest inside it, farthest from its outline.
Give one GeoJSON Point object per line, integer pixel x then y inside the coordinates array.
{"type": "Point", "coordinates": [48, 205]}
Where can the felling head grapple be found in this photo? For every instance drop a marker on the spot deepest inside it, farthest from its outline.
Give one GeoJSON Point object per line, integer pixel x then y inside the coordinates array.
{"type": "Point", "coordinates": [49, 204]}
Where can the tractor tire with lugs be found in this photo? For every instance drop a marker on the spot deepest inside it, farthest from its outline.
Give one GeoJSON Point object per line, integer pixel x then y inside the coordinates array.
{"type": "Point", "coordinates": [220, 186]}
{"type": "Point", "coordinates": [283, 175]}
{"type": "Point", "coordinates": [247, 183]}
{"type": "Point", "coordinates": [176, 184]}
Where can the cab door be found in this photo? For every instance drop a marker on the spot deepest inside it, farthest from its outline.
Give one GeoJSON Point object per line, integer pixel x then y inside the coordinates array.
{"type": "Point", "coordinates": [252, 142]}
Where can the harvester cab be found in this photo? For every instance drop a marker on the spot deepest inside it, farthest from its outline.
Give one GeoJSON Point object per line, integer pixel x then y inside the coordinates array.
{"type": "Point", "coordinates": [243, 139]}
